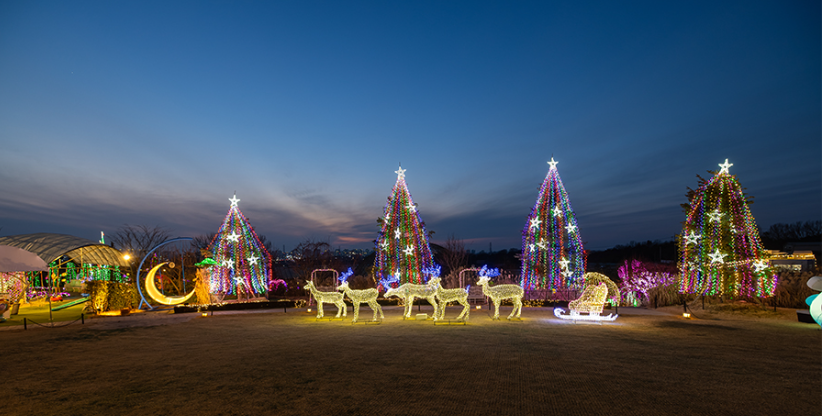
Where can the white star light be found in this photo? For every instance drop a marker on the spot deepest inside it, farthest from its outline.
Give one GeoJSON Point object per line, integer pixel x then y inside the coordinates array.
{"type": "Point", "coordinates": [532, 247]}
{"type": "Point", "coordinates": [239, 280]}
{"type": "Point", "coordinates": [397, 274]}
{"type": "Point", "coordinates": [253, 260]}
{"type": "Point", "coordinates": [717, 257]}
{"type": "Point", "coordinates": [571, 228]}
{"type": "Point", "coordinates": [409, 250]}
{"type": "Point", "coordinates": [542, 244]}
{"type": "Point", "coordinates": [557, 211]}
{"type": "Point", "coordinates": [715, 216]}
{"type": "Point", "coordinates": [724, 167]}
{"type": "Point", "coordinates": [400, 173]}
{"type": "Point", "coordinates": [233, 237]}
{"type": "Point", "coordinates": [567, 273]}
{"type": "Point", "coordinates": [411, 207]}
{"type": "Point", "coordinates": [227, 264]}
{"type": "Point", "coordinates": [760, 265]}
{"type": "Point", "coordinates": [535, 223]}
{"type": "Point", "coordinates": [564, 263]}
{"type": "Point", "coordinates": [234, 201]}
{"type": "Point", "coordinates": [384, 245]}
{"type": "Point", "coordinates": [397, 233]}
{"type": "Point", "coordinates": [553, 163]}
{"type": "Point", "coordinates": [691, 238]}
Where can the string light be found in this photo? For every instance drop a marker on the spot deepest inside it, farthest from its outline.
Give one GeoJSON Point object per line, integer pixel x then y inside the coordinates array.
{"type": "Point", "coordinates": [552, 234]}
{"type": "Point", "coordinates": [326, 297]}
{"type": "Point", "coordinates": [500, 292]}
{"type": "Point", "coordinates": [408, 292]}
{"type": "Point", "coordinates": [243, 263]}
{"type": "Point", "coordinates": [444, 296]}
{"type": "Point", "coordinates": [402, 244]}
{"type": "Point", "coordinates": [592, 301]}
{"type": "Point", "coordinates": [720, 249]}
{"type": "Point", "coordinates": [358, 297]}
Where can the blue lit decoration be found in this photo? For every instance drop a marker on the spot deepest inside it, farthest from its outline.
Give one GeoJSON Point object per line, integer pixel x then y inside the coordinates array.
{"type": "Point", "coordinates": [552, 252]}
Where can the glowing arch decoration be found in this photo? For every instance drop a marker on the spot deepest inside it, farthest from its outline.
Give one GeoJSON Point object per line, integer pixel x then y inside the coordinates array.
{"type": "Point", "coordinates": [155, 294]}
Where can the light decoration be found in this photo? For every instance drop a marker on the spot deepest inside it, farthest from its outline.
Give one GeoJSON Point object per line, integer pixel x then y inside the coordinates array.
{"type": "Point", "coordinates": [552, 252]}
{"type": "Point", "coordinates": [402, 245]}
{"type": "Point", "coordinates": [720, 261]}
{"type": "Point", "coordinates": [13, 284]}
{"type": "Point", "coordinates": [243, 263]}
{"type": "Point", "coordinates": [408, 292]}
{"type": "Point", "coordinates": [500, 292]}
{"type": "Point", "coordinates": [815, 301]}
{"type": "Point", "coordinates": [444, 296]}
{"type": "Point", "coordinates": [592, 301]}
{"type": "Point", "coordinates": [326, 297]}
{"type": "Point", "coordinates": [151, 288]}
{"type": "Point", "coordinates": [593, 279]}
{"type": "Point", "coordinates": [636, 279]}
{"type": "Point", "coordinates": [358, 297]}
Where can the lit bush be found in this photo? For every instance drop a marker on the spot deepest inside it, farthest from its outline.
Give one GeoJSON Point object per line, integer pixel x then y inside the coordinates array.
{"type": "Point", "coordinates": [646, 282]}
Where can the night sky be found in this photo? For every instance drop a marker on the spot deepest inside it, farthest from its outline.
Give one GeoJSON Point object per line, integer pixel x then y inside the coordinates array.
{"type": "Point", "coordinates": [156, 112]}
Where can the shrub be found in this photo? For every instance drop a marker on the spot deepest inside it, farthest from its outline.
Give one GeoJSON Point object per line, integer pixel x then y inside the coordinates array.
{"type": "Point", "coordinates": [107, 296]}
{"type": "Point", "coordinates": [792, 290]}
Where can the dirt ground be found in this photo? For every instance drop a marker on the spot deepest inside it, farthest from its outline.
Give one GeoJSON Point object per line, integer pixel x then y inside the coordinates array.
{"type": "Point", "coordinates": [647, 362]}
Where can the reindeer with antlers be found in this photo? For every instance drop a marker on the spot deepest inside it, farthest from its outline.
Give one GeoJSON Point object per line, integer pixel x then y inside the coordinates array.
{"type": "Point", "coordinates": [444, 296]}
{"type": "Point", "coordinates": [357, 297]}
{"type": "Point", "coordinates": [409, 291]}
{"type": "Point", "coordinates": [327, 297]}
{"type": "Point", "coordinates": [500, 292]}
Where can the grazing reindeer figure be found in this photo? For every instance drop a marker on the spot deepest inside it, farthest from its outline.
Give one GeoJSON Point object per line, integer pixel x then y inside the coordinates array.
{"type": "Point", "coordinates": [326, 297]}
{"type": "Point", "coordinates": [450, 295]}
{"type": "Point", "coordinates": [357, 297]}
{"type": "Point", "coordinates": [500, 292]}
{"type": "Point", "coordinates": [409, 291]}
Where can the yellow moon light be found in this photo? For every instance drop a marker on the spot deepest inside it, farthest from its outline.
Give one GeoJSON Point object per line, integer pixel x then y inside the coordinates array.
{"type": "Point", "coordinates": [155, 294]}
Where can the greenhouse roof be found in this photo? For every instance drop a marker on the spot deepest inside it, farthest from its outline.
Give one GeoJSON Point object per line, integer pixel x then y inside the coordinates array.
{"type": "Point", "coordinates": [50, 247]}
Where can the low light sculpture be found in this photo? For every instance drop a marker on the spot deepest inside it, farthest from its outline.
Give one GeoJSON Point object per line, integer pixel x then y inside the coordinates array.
{"type": "Point", "coordinates": [444, 296]}
{"type": "Point", "coordinates": [500, 292]}
{"type": "Point", "coordinates": [409, 291]}
{"type": "Point", "coordinates": [326, 297]}
{"type": "Point", "coordinates": [155, 294]}
{"type": "Point", "coordinates": [592, 301]}
{"type": "Point", "coordinates": [357, 297]}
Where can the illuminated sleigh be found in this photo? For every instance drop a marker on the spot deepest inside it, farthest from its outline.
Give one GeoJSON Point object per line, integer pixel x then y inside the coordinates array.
{"type": "Point", "coordinates": [591, 302]}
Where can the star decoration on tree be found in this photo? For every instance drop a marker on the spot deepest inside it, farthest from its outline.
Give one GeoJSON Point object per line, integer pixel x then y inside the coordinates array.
{"type": "Point", "coordinates": [532, 247]}
{"type": "Point", "coordinates": [724, 167]}
{"type": "Point", "coordinates": [553, 163]}
{"type": "Point", "coordinates": [234, 201]}
{"type": "Point", "coordinates": [253, 260]}
{"type": "Point", "coordinates": [535, 222]}
{"type": "Point", "coordinates": [571, 228]}
{"type": "Point", "coordinates": [564, 263]}
{"type": "Point", "coordinates": [397, 274]}
{"type": "Point", "coordinates": [384, 245]}
{"type": "Point", "coordinates": [760, 265]}
{"type": "Point", "coordinates": [691, 238]}
{"type": "Point", "coordinates": [397, 233]}
{"type": "Point", "coordinates": [411, 207]}
{"type": "Point", "coordinates": [227, 264]}
{"type": "Point", "coordinates": [542, 244]}
{"type": "Point", "coordinates": [233, 237]}
{"type": "Point", "coordinates": [400, 173]}
{"type": "Point", "coordinates": [567, 273]}
{"type": "Point", "coordinates": [715, 216]}
{"type": "Point", "coordinates": [409, 250]}
{"type": "Point", "coordinates": [717, 257]}
{"type": "Point", "coordinates": [557, 211]}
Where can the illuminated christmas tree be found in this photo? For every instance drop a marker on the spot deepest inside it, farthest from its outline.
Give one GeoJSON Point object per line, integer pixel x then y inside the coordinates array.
{"type": "Point", "coordinates": [243, 264]}
{"type": "Point", "coordinates": [720, 249]}
{"type": "Point", "coordinates": [552, 253]}
{"type": "Point", "coordinates": [402, 246]}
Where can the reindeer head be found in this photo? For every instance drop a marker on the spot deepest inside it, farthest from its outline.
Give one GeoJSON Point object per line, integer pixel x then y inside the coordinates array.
{"type": "Point", "coordinates": [386, 283]}
{"type": "Point", "coordinates": [435, 281]}
{"type": "Point", "coordinates": [486, 274]}
{"type": "Point", "coordinates": [430, 272]}
{"type": "Point", "coordinates": [309, 285]}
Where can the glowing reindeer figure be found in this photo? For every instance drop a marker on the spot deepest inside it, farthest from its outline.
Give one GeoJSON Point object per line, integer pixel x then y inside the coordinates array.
{"type": "Point", "coordinates": [357, 297]}
{"type": "Point", "coordinates": [409, 291]}
{"type": "Point", "coordinates": [326, 297]}
{"type": "Point", "coordinates": [450, 295]}
{"type": "Point", "coordinates": [500, 292]}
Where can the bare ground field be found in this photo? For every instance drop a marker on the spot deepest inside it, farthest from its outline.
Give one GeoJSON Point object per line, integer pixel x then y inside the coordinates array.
{"type": "Point", "coordinates": [647, 362]}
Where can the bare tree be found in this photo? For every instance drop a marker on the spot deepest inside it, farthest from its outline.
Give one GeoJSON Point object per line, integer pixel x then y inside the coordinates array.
{"type": "Point", "coordinates": [137, 240]}
{"type": "Point", "coordinates": [453, 259]}
{"type": "Point", "coordinates": [310, 255]}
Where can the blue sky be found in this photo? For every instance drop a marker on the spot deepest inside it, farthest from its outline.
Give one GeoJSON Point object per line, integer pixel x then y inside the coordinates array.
{"type": "Point", "coordinates": [157, 112]}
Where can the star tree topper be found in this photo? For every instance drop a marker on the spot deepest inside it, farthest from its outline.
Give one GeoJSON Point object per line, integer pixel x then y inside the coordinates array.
{"type": "Point", "coordinates": [553, 163]}
{"type": "Point", "coordinates": [724, 167]}
{"type": "Point", "coordinates": [400, 173]}
{"type": "Point", "coordinates": [234, 201]}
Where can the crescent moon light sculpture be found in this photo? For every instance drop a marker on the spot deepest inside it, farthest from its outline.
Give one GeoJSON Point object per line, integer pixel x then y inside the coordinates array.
{"type": "Point", "coordinates": [155, 294]}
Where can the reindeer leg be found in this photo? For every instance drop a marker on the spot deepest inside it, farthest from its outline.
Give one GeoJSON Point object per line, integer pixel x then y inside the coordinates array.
{"type": "Point", "coordinates": [433, 303]}
{"type": "Point", "coordinates": [356, 311]}
{"type": "Point", "coordinates": [319, 309]}
{"type": "Point", "coordinates": [465, 309]}
{"type": "Point", "coordinates": [496, 309]}
{"type": "Point", "coordinates": [339, 309]}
